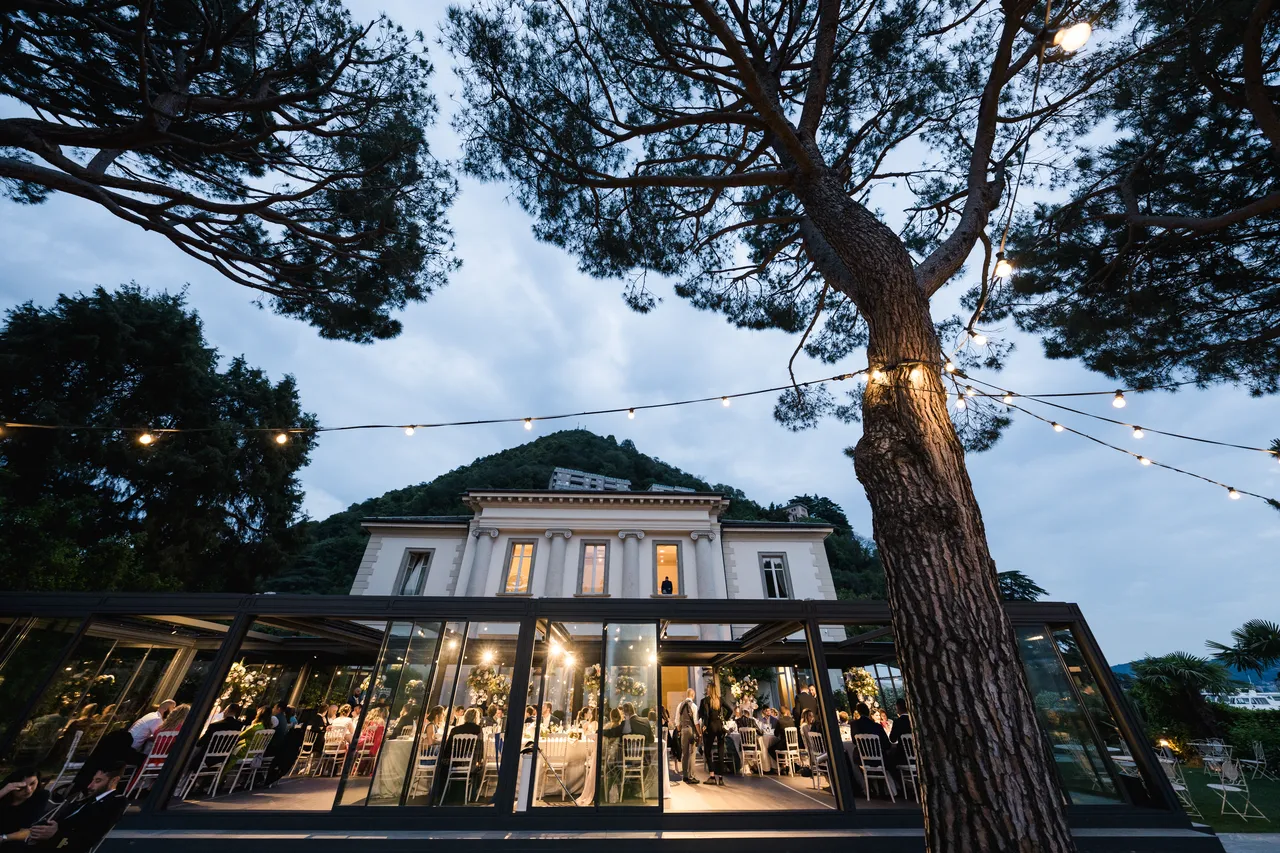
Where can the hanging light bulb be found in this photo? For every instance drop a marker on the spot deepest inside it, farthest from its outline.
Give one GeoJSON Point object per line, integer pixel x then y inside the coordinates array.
{"type": "Point", "coordinates": [282, 438]}
{"type": "Point", "coordinates": [1057, 427]}
{"type": "Point", "coordinates": [724, 401]}
{"type": "Point", "coordinates": [877, 375]}
{"type": "Point", "coordinates": [961, 405]}
{"type": "Point", "coordinates": [631, 414]}
{"type": "Point", "coordinates": [970, 391]}
{"type": "Point", "coordinates": [950, 366]}
{"type": "Point", "coordinates": [1007, 398]}
{"type": "Point", "coordinates": [408, 430]}
{"type": "Point", "coordinates": [1144, 460]}
{"type": "Point", "coordinates": [1003, 268]}
{"type": "Point", "coordinates": [978, 338]}
{"type": "Point", "coordinates": [528, 423]}
{"type": "Point", "coordinates": [146, 438]}
{"type": "Point", "coordinates": [1137, 432]}
{"type": "Point", "coordinates": [1233, 494]}
{"type": "Point", "coordinates": [1072, 38]}
{"type": "Point", "coordinates": [1118, 400]}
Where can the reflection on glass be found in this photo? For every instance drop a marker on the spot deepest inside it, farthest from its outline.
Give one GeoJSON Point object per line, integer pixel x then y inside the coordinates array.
{"type": "Point", "coordinates": [32, 648]}
{"type": "Point", "coordinates": [561, 717]}
{"type": "Point", "coordinates": [1077, 753]}
{"type": "Point", "coordinates": [628, 752]}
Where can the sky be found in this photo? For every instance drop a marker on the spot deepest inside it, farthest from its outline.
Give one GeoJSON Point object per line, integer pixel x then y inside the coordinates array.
{"type": "Point", "coordinates": [1157, 561]}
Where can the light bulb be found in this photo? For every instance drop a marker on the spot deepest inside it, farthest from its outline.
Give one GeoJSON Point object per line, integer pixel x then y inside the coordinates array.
{"type": "Point", "coordinates": [1003, 268]}
{"type": "Point", "coordinates": [1144, 460]}
{"type": "Point", "coordinates": [282, 438]}
{"type": "Point", "coordinates": [408, 430]}
{"type": "Point", "coordinates": [970, 391]}
{"type": "Point", "coordinates": [568, 660]}
{"type": "Point", "coordinates": [1074, 37]}
{"type": "Point", "coordinates": [1118, 400]}
{"type": "Point", "coordinates": [1137, 432]}
{"type": "Point", "coordinates": [1057, 427]}
{"type": "Point", "coordinates": [1233, 494]}
{"type": "Point", "coordinates": [877, 375]}
{"type": "Point", "coordinates": [724, 401]}
{"type": "Point", "coordinates": [978, 338]}
{"type": "Point", "coordinates": [528, 423]}
{"type": "Point", "coordinates": [949, 366]}
{"type": "Point", "coordinates": [631, 414]}
{"type": "Point", "coordinates": [487, 657]}
{"type": "Point", "coordinates": [961, 405]}
{"type": "Point", "coordinates": [146, 438]}
{"type": "Point", "coordinates": [1007, 398]}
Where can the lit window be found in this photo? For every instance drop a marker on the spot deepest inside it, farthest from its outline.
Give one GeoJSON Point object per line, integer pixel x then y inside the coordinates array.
{"type": "Point", "coordinates": [593, 568]}
{"type": "Point", "coordinates": [414, 577]}
{"type": "Point", "coordinates": [519, 568]}
{"type": "Point", "coordinates": [667, 562]}
{"type": "Point", "coordinates": [776, 584]}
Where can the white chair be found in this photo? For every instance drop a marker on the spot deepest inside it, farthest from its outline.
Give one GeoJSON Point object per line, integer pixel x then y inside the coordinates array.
{"type": "Point", "coordinates": [212, 763]}
{"type": "Point", "coordinates": [154, 763]}
{"type": "Point", "coordinates": [462, 752]}
{"type": "Point", "coordinates": [789, 755]}
{"type": "Point", "coordinates": [334, 751]}
{"type": "Point", "coordinates": [493, 761]}
{"type": "Point", "coordinates": [69, 767]}
{"type": "Point", "coordinates": [910, 772]}
{"type": "Point", "coordinates": [555, 756]}
{"type": "Point", "coordinates": [750, 747]}
{"type": "Point", "coordinates": [819, 760]}
{"type": "Point", "coordinates": [1257, 764]}
{"type": "Point", "coordinates": [1234, 782]}
{"type": "Point", "coordinates": [252, 759]}
{"type": "Point", "coordinates": [873, 767]}
{"type": "Point", "coordinates": [1173, 770]}
{"type": "Point", "coordinates": [306, 755]}
{"type": "Point", "coordinates": [425, 770]}
{"type": "Point", "coordinates": [633, 760]}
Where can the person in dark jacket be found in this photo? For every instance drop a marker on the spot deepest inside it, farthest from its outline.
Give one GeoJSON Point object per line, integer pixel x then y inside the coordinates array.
{"type": "Point", "coordinates": [470, 725]}
{"type": "Point", "coordinates": [711, 713]}
{"type": "Point", "coordinates": [23, 803]}
{"type": "Point", "coordinates": [78, 825]}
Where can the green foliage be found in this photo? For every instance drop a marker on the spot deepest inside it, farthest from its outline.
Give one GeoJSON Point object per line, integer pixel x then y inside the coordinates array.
{"type": "Point", "coordinates": [91, 509]}
{"type": "Point", "coordinates": [1256, 646]}
{"type": "Point", "coordinates": [1169, 691]}
{"type": "Point", "coordinates": [1016, 586]}
{"type": "Point", "coordinates": [1160, 265]}
{"type": "Point", "coordinates": [279, 141]}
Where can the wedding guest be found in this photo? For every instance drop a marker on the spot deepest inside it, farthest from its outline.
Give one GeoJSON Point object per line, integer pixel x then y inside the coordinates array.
{"type": "Point", "coordinates": [22, 804]}
{"type": "Point", "coordinates": [78, 827]}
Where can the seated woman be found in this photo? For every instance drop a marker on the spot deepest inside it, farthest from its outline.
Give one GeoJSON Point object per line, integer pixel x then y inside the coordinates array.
{"type": "Point", "coordinates": [261, 722]}
{"type": "Point", "coordinates": [372, 732]}
{"type": "Point", "coordinates": [343, 723]}
{"type": "Point", "coordinates": [23, 803]}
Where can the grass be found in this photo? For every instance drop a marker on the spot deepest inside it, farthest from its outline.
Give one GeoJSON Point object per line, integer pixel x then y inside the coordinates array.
{"type": "Point", "coordinates": [1266, 796]}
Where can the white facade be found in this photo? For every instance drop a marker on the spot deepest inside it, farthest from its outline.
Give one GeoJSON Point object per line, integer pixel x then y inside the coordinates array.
{"type": "Point", "coordinates": [535, 543]}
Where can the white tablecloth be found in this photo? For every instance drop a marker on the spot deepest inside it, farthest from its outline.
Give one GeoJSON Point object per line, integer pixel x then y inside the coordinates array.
{"type": "Point", "coordinates": [392, 768]}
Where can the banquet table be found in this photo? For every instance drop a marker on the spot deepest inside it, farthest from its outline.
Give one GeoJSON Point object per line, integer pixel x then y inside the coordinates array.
{"type": "Point", "coordinates": [392, 767]}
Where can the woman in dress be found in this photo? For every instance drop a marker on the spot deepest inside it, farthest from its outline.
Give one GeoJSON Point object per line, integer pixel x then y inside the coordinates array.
{"type": "Point", "coordinates": [711, 713]}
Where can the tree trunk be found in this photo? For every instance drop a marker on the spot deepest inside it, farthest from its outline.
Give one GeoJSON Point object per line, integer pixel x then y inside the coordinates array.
{"type": "Point", "coordinates": [988, 779]}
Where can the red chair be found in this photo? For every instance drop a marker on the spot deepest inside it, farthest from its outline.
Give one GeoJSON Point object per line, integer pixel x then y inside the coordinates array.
{"type": "Point", "coordinates": [154, 763]}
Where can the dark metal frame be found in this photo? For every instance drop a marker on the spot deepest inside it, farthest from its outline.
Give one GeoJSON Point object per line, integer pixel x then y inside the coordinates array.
{"type": "Point", "coordinates": [526, 612]}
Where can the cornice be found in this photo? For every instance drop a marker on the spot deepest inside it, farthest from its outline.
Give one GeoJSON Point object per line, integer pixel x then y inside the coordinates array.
{"type": "Point", "coordinates": [715, 504]}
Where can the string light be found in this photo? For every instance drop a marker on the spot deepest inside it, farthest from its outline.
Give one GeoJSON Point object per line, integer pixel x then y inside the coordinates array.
{"type": "Point", "coordinates": [1007, 398]}
{"type": "Point", "coordinates": [1137, 432]}
{"type": "Point", "coordinates": [970, 391]}
{"type": "Point", "coordinates": [145, 439]}
{"type": "Point", "coordinates": [950, 366]}
{"type": "Point", "coordinates": [1057, 427]}
{"type": "Point", "coordinates": [1004, 268]}
{"type": "Point", "coordinates": [408, 430]}
{"type": "Point", "coordinates": [282, 438]}
{"type": "Point", "coordinates": [978, 338]}
{"type": "Point", "coordinates": [631, 414]}
{"type": "Point", "coordinates": [1072, 38]}
{"type": "Point", "coordinates": [724, 401]}
{"type": "Point", "coordinates": [1233, 494]}
{"type": "Point", "coordinates": [1144, 460]}
{"type": "Point", "coordinates": [961, 405]}
{"type": "Point", "coordinates": [528, 423]}
{"type": "Point", "coordinates": [1118, 400]}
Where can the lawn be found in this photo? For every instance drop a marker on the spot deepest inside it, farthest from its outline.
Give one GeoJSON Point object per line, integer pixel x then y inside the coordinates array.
{"type": "Point", "coordinates": [1266, 796]}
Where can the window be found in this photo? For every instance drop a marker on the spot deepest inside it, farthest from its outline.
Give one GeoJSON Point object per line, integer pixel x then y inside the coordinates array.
{"type": "Point", "coordinates": [777, 583]}
{"type": "Point", "coordinates": [593, 574]}
{"type": "Point", "coordinates": [666, 564]}
{"type": "Point", "coordinates": [519, 569]}
{"type": "Point", "coordinates": [413, 577]}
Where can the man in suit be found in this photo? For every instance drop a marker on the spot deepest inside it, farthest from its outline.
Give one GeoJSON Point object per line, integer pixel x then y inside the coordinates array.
{"type": "Point", "coordinates": [470, 725]}
{"type": "Point", "coordinates": [901, 725]}
{"type": "Point", "coordinates": [79, 825]}
{"type": "Point", "coordinates": [864, 725]}
{"type": "Point", "coordinates": [631, 725]}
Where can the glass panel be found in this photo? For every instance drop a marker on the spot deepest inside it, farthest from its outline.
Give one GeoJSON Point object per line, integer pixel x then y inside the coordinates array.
{"type": "Point", "coordinates": [628, 752]}
{"type": "Point", "coordinates": [415, 573]}
{"type": "Point", "coordinates": [32, 649]}
{"type": "Point", "coordinates": [520, 567]}
{"type": "Point", "coordinates": [563, 716]}
{"type": "Point", "coordinates": [423, 730]}
{"type": "Point", "coordinates": [593, 568]}
{"type": "Point", "coordinates": [1077, 753]}
{"type": "Point", "coordinates": [667, 560]}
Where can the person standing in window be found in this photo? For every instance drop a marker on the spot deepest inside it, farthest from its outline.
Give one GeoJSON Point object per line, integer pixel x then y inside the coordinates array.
{"type": "Point", "coordinates": [667, 588]}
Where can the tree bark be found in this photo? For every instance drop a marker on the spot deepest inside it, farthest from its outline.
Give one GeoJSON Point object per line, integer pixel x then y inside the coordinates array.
{"type": "Point", "coordinates": [988, 781]}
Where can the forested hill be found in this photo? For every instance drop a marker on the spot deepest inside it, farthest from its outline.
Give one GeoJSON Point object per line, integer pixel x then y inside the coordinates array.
{"type": "Point", "coordinates": [328, 562]}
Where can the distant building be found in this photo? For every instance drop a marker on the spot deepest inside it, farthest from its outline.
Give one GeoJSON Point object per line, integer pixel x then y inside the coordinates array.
{"type": "Point", "coordinates": [796, 512]}
{"type": "Point", "coordinates": [567, 479]}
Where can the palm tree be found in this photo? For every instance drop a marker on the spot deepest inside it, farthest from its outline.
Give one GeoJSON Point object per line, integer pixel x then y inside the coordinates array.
{"type": "Point", "coordinates": [1179, 680]}
{"type": "Point", "coordinates": [1256, 647]}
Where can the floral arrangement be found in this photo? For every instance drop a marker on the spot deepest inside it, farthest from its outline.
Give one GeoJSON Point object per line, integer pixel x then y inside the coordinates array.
{"type": "Point", "coordinates": [860, 686]}
{"type": "Point", "coordinates": [591, 679]}
{"type": "Point", "coordinates": [242, 683]}
{"type": "Point", "coordinates": [628, 686]}
{"type": "Point", "coordinates": [486, 684]}
{"type": "Point", "coordinates": [746, 689]}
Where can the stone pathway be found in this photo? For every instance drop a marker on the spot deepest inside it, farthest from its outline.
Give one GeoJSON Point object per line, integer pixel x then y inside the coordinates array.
{"type": "Point", "coordinates": [1251, 842]}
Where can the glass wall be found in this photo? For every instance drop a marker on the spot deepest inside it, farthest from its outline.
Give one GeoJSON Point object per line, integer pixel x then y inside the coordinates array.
{"type": "Point", "coordinates": [627, 749]}
{"type": "Point", "coordinates": [560, 734]}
